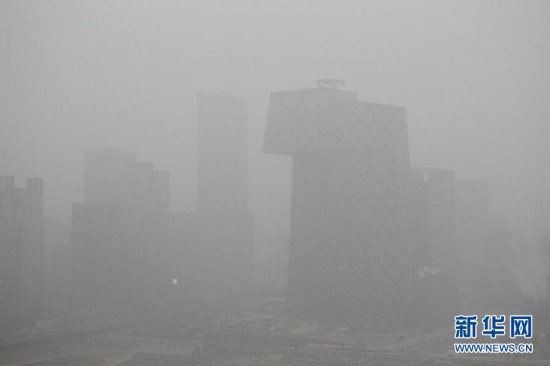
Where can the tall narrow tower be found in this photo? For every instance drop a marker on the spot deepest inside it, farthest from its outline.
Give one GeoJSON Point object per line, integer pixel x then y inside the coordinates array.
{"type": "Point", "coordinates": [222, 146]}
{"type": "Point", "coordinates": [225, 224]}
{"type": "Point", "coordinates": [21, 252]}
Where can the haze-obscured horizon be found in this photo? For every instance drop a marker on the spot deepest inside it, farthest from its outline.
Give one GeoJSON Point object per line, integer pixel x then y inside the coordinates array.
{"type": "Point", "coordinates": [78, 76]}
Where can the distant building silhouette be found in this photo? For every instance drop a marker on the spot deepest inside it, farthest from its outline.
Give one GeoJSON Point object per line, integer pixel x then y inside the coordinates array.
{"type": "Point", "coordinates": [472, 217]}
{"type": "Point", "coordinates": [433, 214]}
{"type": "Point", "coordinates": [487, 282]}
{"type": "Point", "coordinates": [462, 253]}
{"type": "Point", "coordinates": [21, 252]}
{"type": "Point", "coordinates": [350, 219]}
{"type": "Point", "coordinates": [115, 176]}
{"type": "Point", "coordinates": [120, 234]}
{"type": "Point", "coordinates": [225, 227]}
{"type": "Point", "coordinates": [433, 247]}
{"type": "Point", "coordinates": [222, 153]}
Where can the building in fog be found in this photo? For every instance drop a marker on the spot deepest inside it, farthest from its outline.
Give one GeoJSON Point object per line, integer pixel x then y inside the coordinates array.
{"type": "Point", "coordinates": [120, 234]}
{"type": "Point", "coordinates": [433, 246]}
{"type": "Point", "coordinates": [222, 153]}
{"type": "Point", "coordinates": [21, 252]}
{"type": "Point", "coordinates": [115, 176]}
{"type": "Point", "coordinates": [224, 224]}
{"type": "Point", "coordinates": [472, 218]}
{"type": "Point", "coordinates": [433, 216]}
{"type": "Point", "coordinates": [487, 278]}
{"type": "Point", "coordinates": [349, 217]}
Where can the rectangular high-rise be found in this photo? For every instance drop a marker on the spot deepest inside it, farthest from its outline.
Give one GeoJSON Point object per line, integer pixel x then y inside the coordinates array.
{"type": "Point", "coordinates": [222, 154]}
{"type": "Point", "coordinates": [472, 218]}
{"type": "Point", "coordinates": [21, 252]}
{"type": "Point", "coordinates": [225, 230]}
{"type": "Point", "coordinates": [433, 246]}
{"type": "Point", "coordinates": [120, 233]}
{"type": "Point", "coordinates": [433, 216]}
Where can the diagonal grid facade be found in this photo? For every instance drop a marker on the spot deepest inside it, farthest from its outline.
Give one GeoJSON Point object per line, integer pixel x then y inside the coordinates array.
{"type": "Point", "coordinates": [348, 258]}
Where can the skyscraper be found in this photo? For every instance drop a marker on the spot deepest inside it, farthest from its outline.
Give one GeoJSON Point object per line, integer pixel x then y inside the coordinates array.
{"type": "Point", "coordinates": [487, 278]}
{"type": "Point", "coordinates": [433, 246]}
{"type": "Point", "coordinates": [21, 252]}
{"type": "Point", "coordinates": [119, 233]}
{"type": "Point", "coordinates": [225, 225]}
{"type": "Point", "coordinates": [472, 218]}
{"type": "Point", "coordinates": [222, 154]}
{"type": "Point", "coordinates": [433, 215]}
{"type": "Point", "coordinates": [116, 176]}
{"type": "Point", "coordinates": [349, 211]}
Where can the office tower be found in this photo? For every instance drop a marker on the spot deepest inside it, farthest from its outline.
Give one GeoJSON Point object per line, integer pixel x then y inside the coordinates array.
{"type": "Point", "coordinates": [116, 176]}
{"type": "Point", "coordinates": [487, 282]}
{"type": "Point", "coordinates": [222, 154]}
{"type": "Point", "coordinates": [472, 218]}
{"type": "Point", "coordinates": [349, 211]}
{"type": "Point", "coordinates": [120, 234]}
{"type": "Point", "coordinates": [433, 217]}
{"type": "Point", "coordinates": [433, 246]}
{"type": "Point", "coordinates": [225, 226]}
{"type": "Point", "coordinates": [21, 252]}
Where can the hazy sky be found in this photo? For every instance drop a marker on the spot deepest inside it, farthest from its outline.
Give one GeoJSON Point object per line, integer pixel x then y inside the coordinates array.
{"type": "Point", "coordinates": [81, 75]}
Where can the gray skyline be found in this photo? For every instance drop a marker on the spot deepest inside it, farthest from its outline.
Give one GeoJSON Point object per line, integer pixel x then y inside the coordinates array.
{"type": "Point", "coordinates": [273, 182]}
{"type": "Point", "coordinates": [93, 74]}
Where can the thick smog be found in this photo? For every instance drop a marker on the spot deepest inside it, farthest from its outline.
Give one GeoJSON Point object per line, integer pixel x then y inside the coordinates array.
{"type": "Point", "coordinates": [274, 183]}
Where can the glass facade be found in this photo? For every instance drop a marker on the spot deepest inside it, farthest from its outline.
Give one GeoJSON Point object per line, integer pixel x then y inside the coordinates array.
{"type": "Point", "coordinates": [350, 225]}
